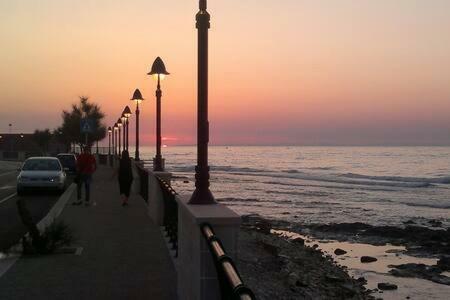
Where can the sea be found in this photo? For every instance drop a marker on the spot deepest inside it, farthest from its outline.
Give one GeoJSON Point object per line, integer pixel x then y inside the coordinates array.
{"type": "Point", "coordinates": [374, 185]}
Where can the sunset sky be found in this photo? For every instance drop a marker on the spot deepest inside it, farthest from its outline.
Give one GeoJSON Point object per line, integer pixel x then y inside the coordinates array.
{"type": "Point", "coordinates": [306, 72]}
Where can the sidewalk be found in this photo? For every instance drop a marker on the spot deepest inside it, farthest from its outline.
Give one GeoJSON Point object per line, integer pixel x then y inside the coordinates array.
{"type": "Point", "coordinates": [123, 257]}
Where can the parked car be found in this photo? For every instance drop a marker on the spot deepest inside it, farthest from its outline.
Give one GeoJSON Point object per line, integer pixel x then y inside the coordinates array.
{"type": "Point", "coordinates": [41, 172]}
{"type": "Point", "coordinates": [68, 161]}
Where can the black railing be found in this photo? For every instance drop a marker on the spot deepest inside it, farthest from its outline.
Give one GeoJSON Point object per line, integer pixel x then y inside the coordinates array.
{"type": "Point", "coordinates": [170, 218]}
{"type": "Point", "coordinates": [231, 285]}
{"type": "Point", "coordinates": [143, 181]}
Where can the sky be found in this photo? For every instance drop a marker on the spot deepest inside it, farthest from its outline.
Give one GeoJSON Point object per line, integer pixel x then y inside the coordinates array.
{"type": "Point", "coordinates": [297, 72]}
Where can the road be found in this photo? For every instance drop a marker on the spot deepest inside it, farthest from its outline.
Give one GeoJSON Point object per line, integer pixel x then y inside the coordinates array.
{"type": "Point", "coordinates": [11, 227]}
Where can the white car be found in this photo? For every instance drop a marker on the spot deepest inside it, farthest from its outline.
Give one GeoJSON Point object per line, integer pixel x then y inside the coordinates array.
{"type": "Point", "coordinates": [41, 172]}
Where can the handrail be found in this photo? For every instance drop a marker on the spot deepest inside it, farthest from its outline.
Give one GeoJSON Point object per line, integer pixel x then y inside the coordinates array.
{"type": "Point", "coordinates": [231, 284]}
{"type": "Point", "coordinates": [170, 218]}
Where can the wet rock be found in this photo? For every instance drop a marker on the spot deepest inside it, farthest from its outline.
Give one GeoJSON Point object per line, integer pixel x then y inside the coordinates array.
{"type": "Point", "coordinates": [332, 278]}
{"type": "Point", "coordinates": [315, 246]}
{"type": "Point", "coordinates": [368, 259]}
{"type": "Point", "coordinates": [299, 240]}
{"type": "Point", "coordinates": [435, 223]}
{"type": "Point", "coordinates": [444, 263]}
{"type": "Point", "coordinates": [286, 213]}
{"type": "Point", "coordinates": [385, 286]}
{"type": "Point", "coordinates": [339, 251]}
{"type": "Point", "coordinates": [264, 226]}
{"type": "Point", "coordinates": [185, 181]}
{"type": "Point", "coordinates": [361, 280]}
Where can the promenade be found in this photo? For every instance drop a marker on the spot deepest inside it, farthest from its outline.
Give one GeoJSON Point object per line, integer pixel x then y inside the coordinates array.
{"type": "Point", "coordinates": [123, 254]}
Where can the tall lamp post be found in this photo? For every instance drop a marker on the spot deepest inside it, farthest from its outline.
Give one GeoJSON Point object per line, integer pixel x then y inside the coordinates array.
{"type": "Point", "coordinates": [119, 125]}
{"type": "Point", "coordinates": [124, 129]}
{"type": "Point", "coordinates": [137, 97]}
{"type": "Point", "coordinates": [127, 114]}
{"type": "Point", "coordinates": [109, 144]}
{"type": "Point", "coordinates": [116, 128]}
{"type": "Point", "coordinates": [158, 71]}
{"type": "Point", "coordinates": [202, 193]}
{"type": "Point", "coordinates": [109, 141]}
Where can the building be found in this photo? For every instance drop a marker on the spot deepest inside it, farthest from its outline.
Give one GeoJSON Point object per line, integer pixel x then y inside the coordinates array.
{"type": "Point", "coordinates": [19, 146]}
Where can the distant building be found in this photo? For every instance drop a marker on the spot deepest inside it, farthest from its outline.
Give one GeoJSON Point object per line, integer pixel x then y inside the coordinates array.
{"type": "Point", "coordinates": [19, 146]}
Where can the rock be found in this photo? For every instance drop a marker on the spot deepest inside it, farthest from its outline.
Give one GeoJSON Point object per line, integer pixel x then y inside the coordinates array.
{"type": "Point", "coordinates": [264, 226]}
{"type": "Point", "coordinates": [298, 240]}
{"type": "Point", "coordinates": [293, 278]}
{"type": "Point", "coordinates": [435, 223]}
{"type": "Point", "coordinates": [339, 251]}
{"type": "Point", "coordinates": [368, 259]}
{"type": "Point", "coordinates": [185, 181]}
{"type": "Point", "coordinates": [444, 263]}
{"type": "Point", "coordinates": [385, 286]}
{"type": "Point", "coordinates": [315, 246]}
{"type": "Point", "coordinates": [286, 213]}
{"type": "Point", "coordinates": [409, 222]}
{"type": "Point", "coordinates": [333, 278]}
{"type": "Point", "coordinates": [361, 280]}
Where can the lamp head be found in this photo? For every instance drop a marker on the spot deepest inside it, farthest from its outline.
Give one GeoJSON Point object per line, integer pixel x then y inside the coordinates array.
{"type": "Point", "coordinates": [127, 112]}
{"type": "Point", "coordinates": [109, 129]}
{"type": "Point", "coordinates": [158, 68]}
{"type": "Point", "coordinates": [137, 96]}
{"type": "Point", "coordinates": [116, 127]}
{"type": "Point", "coordinates": [119, 122]}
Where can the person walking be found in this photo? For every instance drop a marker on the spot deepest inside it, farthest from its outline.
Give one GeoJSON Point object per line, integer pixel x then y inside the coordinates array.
{"type": "Point", "coordinates": [125, 177]}
{"type": "Point", "coordinates": [86, 166]}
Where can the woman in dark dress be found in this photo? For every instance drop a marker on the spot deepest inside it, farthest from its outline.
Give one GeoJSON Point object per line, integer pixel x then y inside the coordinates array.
{"type": "Point", "coordinates": [125, 177]}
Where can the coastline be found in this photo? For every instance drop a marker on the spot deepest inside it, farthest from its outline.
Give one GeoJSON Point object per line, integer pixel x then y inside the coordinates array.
{"type": "Point", "coordinates": [404, 265]}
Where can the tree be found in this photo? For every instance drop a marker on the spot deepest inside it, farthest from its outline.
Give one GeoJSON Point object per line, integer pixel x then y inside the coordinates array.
{"type": "Point", "coordinates": [71, 129]}
{"type": "Point", "coordinates": [42, 138]}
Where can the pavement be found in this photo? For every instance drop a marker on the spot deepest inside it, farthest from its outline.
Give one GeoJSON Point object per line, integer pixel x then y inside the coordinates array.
{"type": "Point", "coordinates": [123, 254]}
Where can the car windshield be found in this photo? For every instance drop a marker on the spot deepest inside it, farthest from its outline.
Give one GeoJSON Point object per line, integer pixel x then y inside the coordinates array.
{"type": "Point", "coordinates": [41, 165]}
{"type": "Point", "coordinates": [66, 160]}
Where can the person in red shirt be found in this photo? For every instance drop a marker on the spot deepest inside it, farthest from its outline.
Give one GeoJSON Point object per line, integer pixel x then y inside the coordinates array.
{"type": "Point", "coordinates": [86, 166]}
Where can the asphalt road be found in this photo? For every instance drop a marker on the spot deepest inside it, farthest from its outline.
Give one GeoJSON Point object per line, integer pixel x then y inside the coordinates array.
{"type": "Point", "coordinates": [38, 203]}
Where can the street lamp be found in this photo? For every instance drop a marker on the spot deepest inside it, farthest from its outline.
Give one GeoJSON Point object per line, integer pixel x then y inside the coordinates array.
{"type": "Point", "coordinates": [158, 71]}
{"type": "Point", "coordinates": [119, 125]}
{"type": "Point", "coordinates": [127, 114]}
{"type": "Point", "coordinates": [109, 140]}
{"type": "Point", "coordinates": [137, 96]}
{"type": "Point", "coordinates": [202, 193]}
{"type": "Point", "coordinates": [116, 128]}
{"type": "Point", "coordinates": [124, 125]}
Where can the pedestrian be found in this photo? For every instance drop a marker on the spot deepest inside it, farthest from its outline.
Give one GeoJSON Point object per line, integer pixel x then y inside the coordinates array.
{"type": "Point", "coordinates": [125, 177]}
{"type": "Point", "coordinates": [86, 166]}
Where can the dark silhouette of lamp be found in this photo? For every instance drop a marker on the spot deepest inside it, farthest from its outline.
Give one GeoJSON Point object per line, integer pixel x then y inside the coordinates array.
{"type": "Point", "coordinates": [127, 114]}
{"type": "Point", "coordinates": [202, 193]}
{"type": "Point", "coordinates": [137, 97]}
{"type": "Point", "coordinates": [159, 71]}
{"type": "Point", "coordinates": [119, 125]}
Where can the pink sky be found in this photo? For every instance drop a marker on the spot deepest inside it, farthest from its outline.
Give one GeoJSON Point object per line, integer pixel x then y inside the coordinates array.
{"type": "Point", "coordinates": [281, 72]}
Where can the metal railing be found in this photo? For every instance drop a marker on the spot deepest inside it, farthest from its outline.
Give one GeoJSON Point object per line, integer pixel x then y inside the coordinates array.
{"type": "Point", "coordinates": [170, 218]}
{"type": "Point", "coordinates": [143, 180]}
{"type": "Point", "coordinates": [231, 285]}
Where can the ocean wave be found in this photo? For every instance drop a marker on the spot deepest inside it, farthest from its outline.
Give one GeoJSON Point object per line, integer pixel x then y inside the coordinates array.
{"type": "Point", "coordinates": [442, 180]}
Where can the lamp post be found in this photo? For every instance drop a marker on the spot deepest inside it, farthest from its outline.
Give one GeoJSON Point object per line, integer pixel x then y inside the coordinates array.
{"type": "Point", "coordinates": [109, 144]}
{"type": "Point", "coordinates": [137, 96]}
{"type": "Point", "coordinates": [202, 193]}
{"type": "Point", "coordinates": [159, 71]}
{"type": "Point", "coordinates": [124, 125]}
{"type": "Point", "coordinates": [119, 125]}
{"type": "Point", "coordinates": [127, 114]}
{"type": "Point", "coordinates": [116, 128]}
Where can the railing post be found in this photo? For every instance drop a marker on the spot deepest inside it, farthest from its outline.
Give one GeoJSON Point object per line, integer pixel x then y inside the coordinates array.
{"type": "Point", "coordinates": [197, 274]}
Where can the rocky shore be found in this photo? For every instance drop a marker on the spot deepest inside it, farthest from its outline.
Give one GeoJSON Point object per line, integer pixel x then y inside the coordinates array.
{"type": "Point", "coordinates": [288, 269]}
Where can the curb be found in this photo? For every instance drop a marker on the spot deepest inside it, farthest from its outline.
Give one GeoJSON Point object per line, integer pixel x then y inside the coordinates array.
{"type": "Point", "coordinates": [58, 207]}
